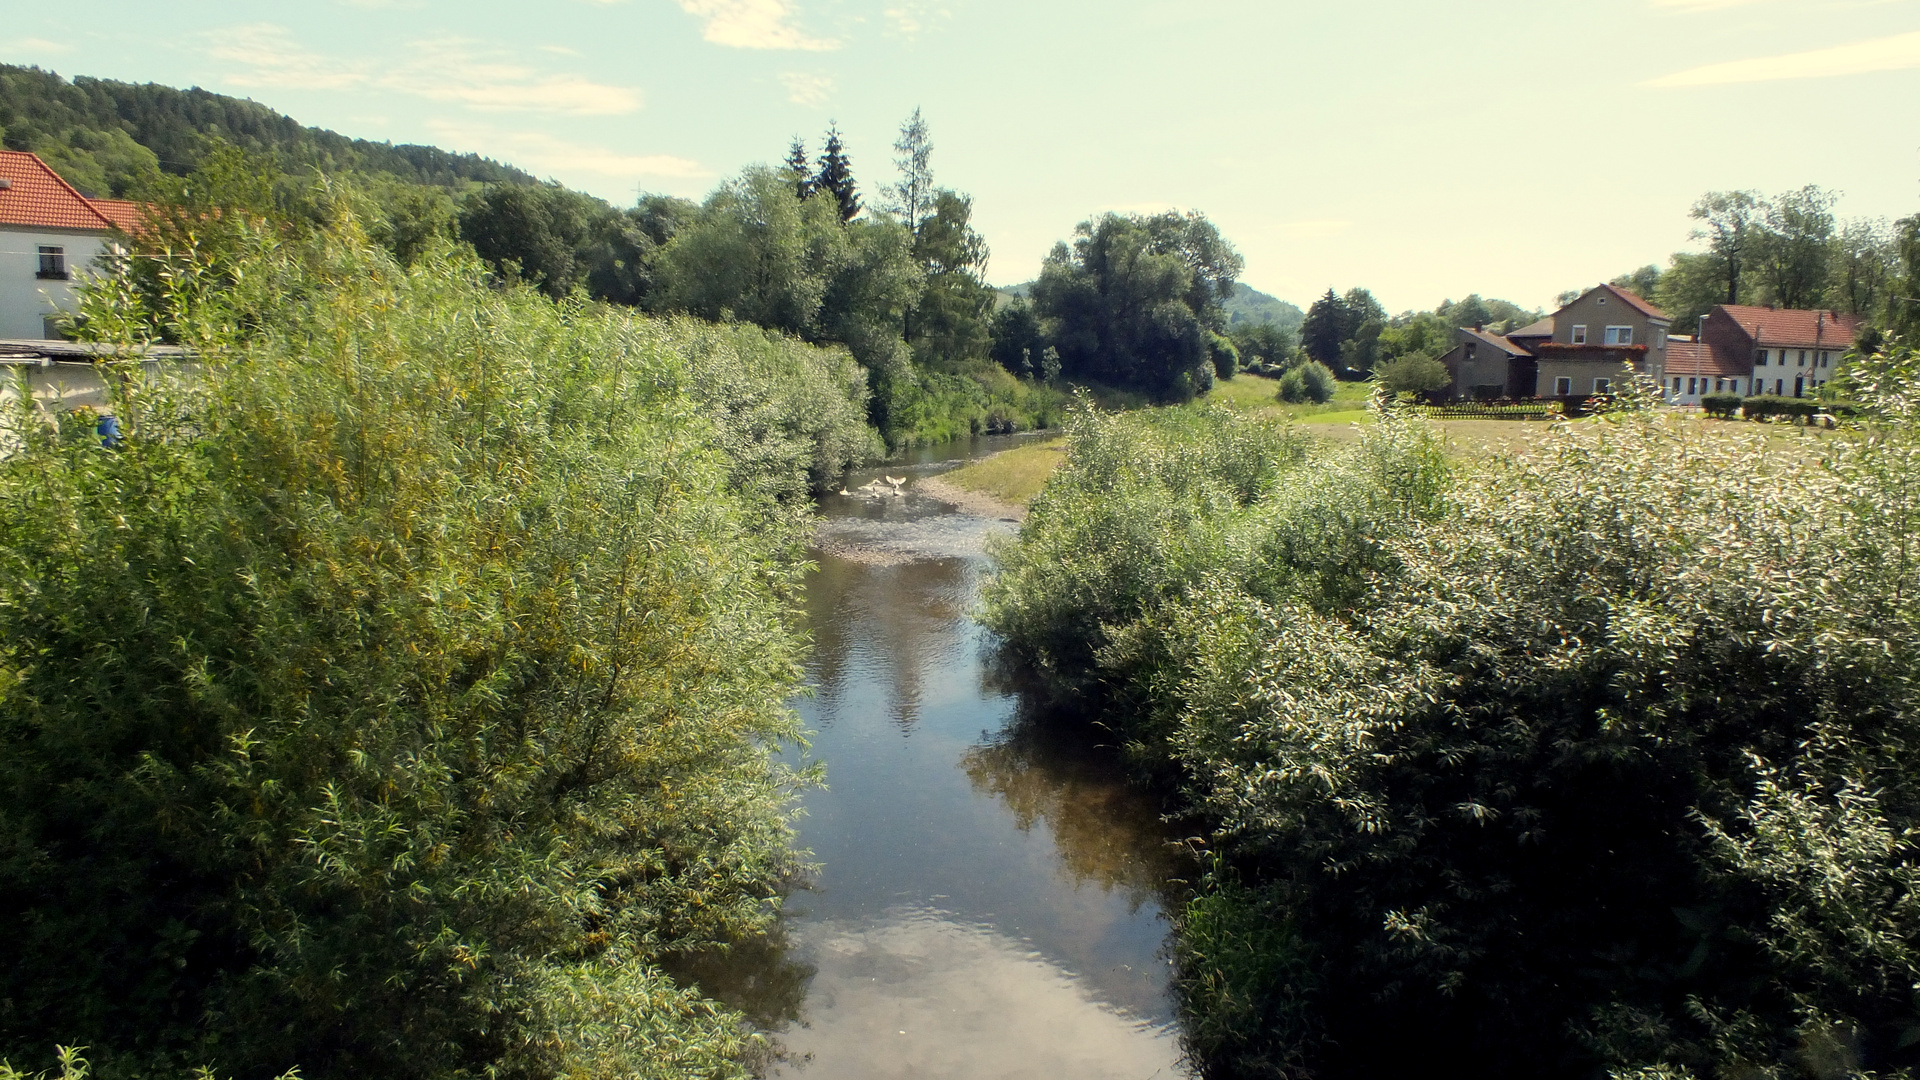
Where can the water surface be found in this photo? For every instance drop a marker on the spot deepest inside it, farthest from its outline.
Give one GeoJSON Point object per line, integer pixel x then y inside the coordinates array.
{"type": "Point", "coordinates": [989, 898]}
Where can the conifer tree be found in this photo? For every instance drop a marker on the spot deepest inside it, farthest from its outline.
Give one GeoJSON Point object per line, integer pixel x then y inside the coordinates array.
{"type": "Point", "coordinates": [836, 175]}
{"type": "Point", "coordinates": [801, 169]}
{"type": "Point", "coordinates": [912, 197]}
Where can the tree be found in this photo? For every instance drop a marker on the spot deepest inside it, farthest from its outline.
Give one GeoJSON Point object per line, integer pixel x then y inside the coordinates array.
{"type": "Point", "coordinates": [533, 233]}
{"type": "Point", "coordinates": [1691, 286]}
{"type": "Point", "coordinates": [1644, 282]}
{"type": "Point", "coordinates": [1731, 224]}
{"type": "Point", "coordinates": [1132, 301]}
{"type": "Point", "coordinates": [835, 176]}
{"type": "Point", "coordinates": [1415, 373]}
{"type": "Point", "coordinates": [1862, 267]}
{"type": "Point", "coordinates": [950, 322]}
{"type": "Point", "coordinates": [1017, 339]}
{"type": "Point", "coordinates": [758, 253]}
{"type": "Point", "coordinates": [621, 256]}
{"type": "Point", "coordinates": [911, 197]}
{"type": "Point", "coordinates": [1796, 246]}
{"type": "Point", "coordinates": [799, 168]}
{"type": "Point", "coordinates": [1263, 343]}
{"type": "Point", "coordinates": [1325, 328]}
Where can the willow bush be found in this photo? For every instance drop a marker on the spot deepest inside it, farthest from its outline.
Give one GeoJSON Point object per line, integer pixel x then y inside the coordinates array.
{"type": "Point", "coordinates": [403, 688]}
{"type": "Point", "coordinates": [1605, 764]}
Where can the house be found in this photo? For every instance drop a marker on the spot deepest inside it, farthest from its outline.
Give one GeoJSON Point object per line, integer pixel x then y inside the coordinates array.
{"type": "Point", "coordinates": [1767, 350]}
{"type": "Point", "coordinates": [49, 233]}
{"type": "Point", "coordinates": [1695, 370]}
{"type": "Point", "coordinates": [1487, 366]}
{"type": "Point", "coordinates": [1587, 347]}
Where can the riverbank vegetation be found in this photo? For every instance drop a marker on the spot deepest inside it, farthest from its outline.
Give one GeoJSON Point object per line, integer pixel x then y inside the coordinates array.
{"type": "Point", "coordinates": [397, 694]}
{"type": "Point", "coordinates": [1596, 760]}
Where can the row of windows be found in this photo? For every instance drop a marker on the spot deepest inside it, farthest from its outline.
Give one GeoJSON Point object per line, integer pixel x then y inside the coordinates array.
{"type": "Point", "coordinates": [1614, 335]}
{"type": "Point", "coordinates": [1825, 359]}
{"type": "Point", "coordinates": [1698, 385]}
{"type": "Point", "coordinates": [1563, 386]}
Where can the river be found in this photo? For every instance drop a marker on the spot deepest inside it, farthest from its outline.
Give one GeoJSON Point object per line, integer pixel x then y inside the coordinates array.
{"type": "Point", "coordinates": [988, 902]}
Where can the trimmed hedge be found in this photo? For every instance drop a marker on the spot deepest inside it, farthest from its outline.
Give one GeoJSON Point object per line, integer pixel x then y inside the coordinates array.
{"type": "Point", "coordinates": [1720, 405]}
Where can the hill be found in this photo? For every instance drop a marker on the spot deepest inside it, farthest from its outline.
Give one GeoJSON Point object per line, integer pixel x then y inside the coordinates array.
{"type": "Point", "coordinates": [100, 134]}
{"type": "Point", "coordinates": [1250, 305]}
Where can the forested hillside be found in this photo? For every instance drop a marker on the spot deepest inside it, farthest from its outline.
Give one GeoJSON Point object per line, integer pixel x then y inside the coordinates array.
{"type": "Point", "coordinates": [102, 135]}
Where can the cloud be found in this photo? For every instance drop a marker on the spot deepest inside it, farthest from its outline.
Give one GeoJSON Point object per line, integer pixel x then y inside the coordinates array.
{"type": "Point", "coordinates": [544, 155]}
{"type": "Point", "coordinates": [753, 24]}
{"type": "Point", "coordinates": [452, 70]}
{"type": "Point", "coordinates": [1880, 54]}
{"type": "Point", "coordinates": [39, 45]}
{"type": "Point", "coordinates": [806, 89]}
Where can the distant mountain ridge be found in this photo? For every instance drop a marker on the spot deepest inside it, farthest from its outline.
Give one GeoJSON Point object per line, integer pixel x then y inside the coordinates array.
{"type": "Point", "coordinates": [1246, 305]}
{"type": "Point", "coordinates": [99, 132]}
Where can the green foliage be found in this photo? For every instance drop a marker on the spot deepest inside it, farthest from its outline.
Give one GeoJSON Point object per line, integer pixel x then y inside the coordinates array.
{"type": "Point", "coordinates": [1132, 301]}
{"type": "Point", "coordinates": [1225, 355]}
{"type": "Point", "coordinates": [1720, 405]}
{"type": "Point", "coordinates": [1768, 406]}
{"type": "Point", "coordinates": [1415, 373]}
{"type": "Point", "coordinates": [88, 122]}
{"type": "Point", "coordinates": [1606, 763]}
{"type": "Point", "coordinates": [402, 692]}
{"type": "Point", "coordinates": [1308, 382]}
{"type": "Point", "coordinates": [1249, 307]}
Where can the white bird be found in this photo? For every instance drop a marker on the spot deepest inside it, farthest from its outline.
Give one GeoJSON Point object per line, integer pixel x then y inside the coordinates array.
{"type": "Point", "coordinates": [896, 481]}
{"type": "Point", "coordinates": [843, 491]}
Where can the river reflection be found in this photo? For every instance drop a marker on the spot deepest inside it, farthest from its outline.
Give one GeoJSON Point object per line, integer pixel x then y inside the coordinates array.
{"type": "Point", "coordinates": [989, 903]}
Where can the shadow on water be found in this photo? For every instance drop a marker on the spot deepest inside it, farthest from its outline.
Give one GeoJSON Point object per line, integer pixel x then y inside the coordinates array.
{"type": "Point", "coordinates": [991, 893]}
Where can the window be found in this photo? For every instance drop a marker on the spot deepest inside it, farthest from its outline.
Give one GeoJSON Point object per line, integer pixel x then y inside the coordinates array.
{"type": "Point", "coordinates": [1762, 362]}
{"type": "Point", "coordinates": [1619, 335]}
{"type": "Point", "coordinates": [1803, 359]}
{"type": "Point", "coordinates": [1676, 384]}
{"type": "Point", "coordinates": [1603, 386]}
{"type": "Point", "coordinates": [53, 263]}
{"type": "Point", "coordinates": [1691, 389]}
{"type": "Point", "coordinates": [1563, 387]}
{"type": "Point", "coordinates": [1826, 359]}
{"type": "Point", "coordinates": [1579, 334]}
{"type": "Point", "coordinates": [1659, 338]}
{"type": "Point", "coordinates": [1470, 350]}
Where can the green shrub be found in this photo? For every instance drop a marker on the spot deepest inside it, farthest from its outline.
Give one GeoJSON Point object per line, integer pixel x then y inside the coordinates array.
{"type": "Point", "coordinates": [1293, 387]}
{"type": "Point", "coordinates": [1720, 405]}
{"type": "Point", "coordinates": [1316, 379]}
{"type": "Point", "coordinates": [1415, 373]}
{"type": "Point", "coordinates": [1768, 406]}
{"type": "Point", "coordinates": [1226, 356]}
{"type": "Point", "coordinates": [402, 691]}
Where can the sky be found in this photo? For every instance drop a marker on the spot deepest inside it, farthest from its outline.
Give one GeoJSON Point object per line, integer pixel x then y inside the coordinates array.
{"type": "Point", "coordinates": [1422, 149]}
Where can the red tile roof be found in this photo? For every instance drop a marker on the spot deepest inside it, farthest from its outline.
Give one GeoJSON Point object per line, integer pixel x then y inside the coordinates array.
{"type": "Point", "coordinates": [35, 196]}
{"type": "Point", "coordinates": [1635, 302]}
{"type": "Point", "coordinates": [1694, 358]}
{"type": "Point", "coordinates": [1784, 326]}
{"type": "Point", "coordinates": [122, 212]}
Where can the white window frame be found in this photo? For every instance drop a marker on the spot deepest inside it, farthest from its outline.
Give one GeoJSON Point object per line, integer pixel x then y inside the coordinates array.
{"type": "Point", "coordinates": [1602, 385]}
{"type": "Point", "coordinates": [1618, 335]}
{"type": "Point", "coordinates": [1563, 386]}
{"type": "Point", "coordinates": [1762, 360]}
{"type": "Point", "coordinates": [1579, 333]}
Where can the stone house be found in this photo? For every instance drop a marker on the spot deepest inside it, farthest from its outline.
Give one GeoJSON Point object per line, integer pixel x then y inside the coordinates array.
{"type": "Point", "coordinates": [1605, 335]}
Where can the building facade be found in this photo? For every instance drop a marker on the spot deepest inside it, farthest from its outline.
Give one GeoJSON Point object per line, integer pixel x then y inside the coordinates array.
{"type": "Point", "coordinates": [50, 235]}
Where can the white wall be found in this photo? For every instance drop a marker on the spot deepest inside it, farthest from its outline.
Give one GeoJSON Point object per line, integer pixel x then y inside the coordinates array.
{"type": "Point", "coordinates": [26, 299]}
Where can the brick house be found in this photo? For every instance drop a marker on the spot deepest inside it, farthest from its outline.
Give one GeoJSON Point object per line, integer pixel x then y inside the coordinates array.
{"type": "Point", "coordinates": [49, 233]}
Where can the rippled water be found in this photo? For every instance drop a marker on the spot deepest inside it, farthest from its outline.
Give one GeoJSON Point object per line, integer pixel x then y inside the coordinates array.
{"type": "Point", "coordinates": [989, 899]}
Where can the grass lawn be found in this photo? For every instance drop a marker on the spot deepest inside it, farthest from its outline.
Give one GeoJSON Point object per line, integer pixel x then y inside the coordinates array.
{"type": "Point", "coordinates": [1012, 476]}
